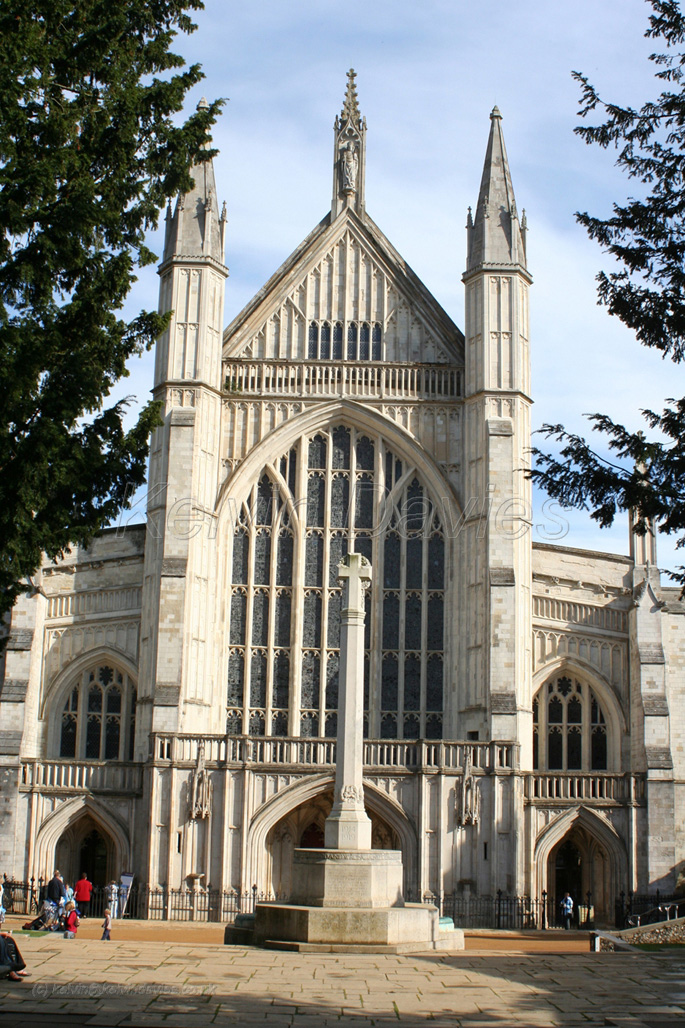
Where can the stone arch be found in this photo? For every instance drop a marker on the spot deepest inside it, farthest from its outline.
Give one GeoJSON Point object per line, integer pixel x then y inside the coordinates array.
{"type": "Point", "coordinates": [55, 696]}
{"type": "Point", "coordinates": [600, 834]}
{"type": "Point", "coordinates": [283, 803]}
{"type": "Point", "coordinates": [65, 817]}
{"type": "Point", "coordinates": [606, 694]}
{"type": "Point", "coordinates": [279, 441]}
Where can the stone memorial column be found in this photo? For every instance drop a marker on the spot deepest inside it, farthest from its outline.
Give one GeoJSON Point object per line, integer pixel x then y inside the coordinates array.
{"type": "Point", "coordinates": [348, 826]}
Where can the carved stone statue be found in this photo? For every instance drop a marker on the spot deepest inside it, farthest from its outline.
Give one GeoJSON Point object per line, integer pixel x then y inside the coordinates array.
{"type": "Point", "coordinates": [349, 167]}
{"type": "Point", "coordinates": [200, 788]}
{"type": "Point", "coordinates": [467, 794]}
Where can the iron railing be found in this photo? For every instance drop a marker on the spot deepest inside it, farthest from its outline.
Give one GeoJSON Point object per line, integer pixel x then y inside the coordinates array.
{"type": "Point", "coordinates": [498, 911]}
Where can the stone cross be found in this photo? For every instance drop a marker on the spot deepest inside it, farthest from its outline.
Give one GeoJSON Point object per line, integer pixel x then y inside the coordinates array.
{"type": "Point", "coordinates": [348, 826]}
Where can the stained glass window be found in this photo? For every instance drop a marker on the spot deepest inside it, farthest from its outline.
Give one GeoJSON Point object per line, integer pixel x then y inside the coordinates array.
{"type": "Point", "coordinates": [569, 728]}
{"type": "Point", "coordinates": [98, 718]}
{"type": "Point", "coordinates": [356, 495]}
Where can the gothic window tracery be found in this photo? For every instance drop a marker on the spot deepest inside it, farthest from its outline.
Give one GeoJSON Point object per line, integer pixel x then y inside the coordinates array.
{"type": "Point", "coordinates": [352, 493]}
{"type": "Point", "coordinates": [97, 721]}
{"type": "Point", "coordinates": [569, 728]}
{"type": "Point", "coordinates": [363, 341]}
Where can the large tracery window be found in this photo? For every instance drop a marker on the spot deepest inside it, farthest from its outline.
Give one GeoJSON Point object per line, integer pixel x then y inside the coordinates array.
{"type": "Point", "coordinates": [569, 728]}
{"type": "Point", "coordinates": [336, 491]}
{"type": "Point", "coordinates": [98, 717]}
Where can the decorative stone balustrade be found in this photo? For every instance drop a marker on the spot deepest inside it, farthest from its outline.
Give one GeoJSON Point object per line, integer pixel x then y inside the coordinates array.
{"type": "Point", "coordinates": [329, 379]}
{"type": "Point", "coordinates": [607, 618]}
{"type": "Point", "coordinates": [106, 601]}
{"type": "Point", "coordinates": [386, 755]}
{"type": "Point", "coordinates": [81, 776]}
{"type": "Point", "coordinates": [547, 788]}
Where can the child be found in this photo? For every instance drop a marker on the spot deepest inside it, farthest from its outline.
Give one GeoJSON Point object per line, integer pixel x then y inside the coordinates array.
{"type": "Point", "coordinates": [106, 925]}
{"type": "Point", "coordinates": [72, 921]}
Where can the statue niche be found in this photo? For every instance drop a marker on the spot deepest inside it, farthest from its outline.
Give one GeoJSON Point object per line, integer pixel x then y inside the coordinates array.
{"type": "Point", "coordinates": [200, 789]}
{"type": "Point", "coordinates": [467, 799]}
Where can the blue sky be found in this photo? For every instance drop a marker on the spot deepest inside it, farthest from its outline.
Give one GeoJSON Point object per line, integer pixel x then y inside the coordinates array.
{"type": "Point", "coordinates": [428, 75]}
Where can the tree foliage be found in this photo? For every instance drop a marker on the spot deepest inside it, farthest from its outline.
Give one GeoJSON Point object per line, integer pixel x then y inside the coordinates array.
{"type": "Point", "coordinates": [646, 236]}
{"type": "Point", "coordinates": [89, 150]}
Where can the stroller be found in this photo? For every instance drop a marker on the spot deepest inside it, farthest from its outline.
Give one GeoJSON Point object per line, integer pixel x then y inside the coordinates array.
{"type": "Point", "coordinates": [47, 920]}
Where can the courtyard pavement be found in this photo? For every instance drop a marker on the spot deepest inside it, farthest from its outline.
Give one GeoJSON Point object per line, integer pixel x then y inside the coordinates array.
{"type": "Point", "coordinates": [536, 980]}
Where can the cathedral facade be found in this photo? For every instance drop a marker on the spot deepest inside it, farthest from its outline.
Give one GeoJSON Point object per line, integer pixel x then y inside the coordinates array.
{"type": "Point", "coordinates": [169, 695]}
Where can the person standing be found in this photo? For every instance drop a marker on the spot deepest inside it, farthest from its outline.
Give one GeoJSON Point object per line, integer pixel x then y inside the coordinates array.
{"type": "Point", "coordinates": [112, 893]}
{"type": "Point", "coordinates": [72, 921]}
{"type": "Point", "coordinates": [567, 910]}
{"type": "Point", "coordinates": [106, 926]}
{"type": "Point", "coordinates": [57, 891]}
{"type": "Point", "coordinates": [82, 893]}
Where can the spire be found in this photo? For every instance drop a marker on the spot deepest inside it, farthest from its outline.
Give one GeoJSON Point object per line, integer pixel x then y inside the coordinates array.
{"type": "Point", "coordinates": [350, 105]}
{"type": "Point", "coordinates": [495, 235]}
{"type": "Point", "coordinates": [196, 228]}
{"type": "Point", "coordinates": [349, 155]}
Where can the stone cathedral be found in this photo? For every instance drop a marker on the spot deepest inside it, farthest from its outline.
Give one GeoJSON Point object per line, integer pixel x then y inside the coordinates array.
{"type": "Point", "coordinates": [169, 695]}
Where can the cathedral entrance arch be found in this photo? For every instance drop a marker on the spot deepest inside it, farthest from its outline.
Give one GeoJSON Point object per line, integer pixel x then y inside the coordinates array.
{"type": "Point", "coordinates": [581, 853]}
{"type": "Point", "coordinates": [294, 818]}
{"type": "Point", "coordinates": [82, 835]}
{"type": "Point", "coordinates": [84, 847]}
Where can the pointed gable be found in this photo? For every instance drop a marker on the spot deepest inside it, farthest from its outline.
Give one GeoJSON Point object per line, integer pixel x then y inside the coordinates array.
{"type": "Point", "coordinates": [345, 279]}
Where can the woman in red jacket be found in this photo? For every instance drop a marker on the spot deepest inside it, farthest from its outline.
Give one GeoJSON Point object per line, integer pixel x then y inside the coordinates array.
{"type": "Point", "coordinates": [82, 893]}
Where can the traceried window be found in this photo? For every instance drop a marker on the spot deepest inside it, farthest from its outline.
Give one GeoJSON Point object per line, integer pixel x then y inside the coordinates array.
{"type": "Point", "coordinates": [336, 491]}
{"type": "Point", "coordinates": [98, 717]}
{"type": "Point", "coordinates": [569, 728]}
{"type": "Point", "coordinates": [363, 341]}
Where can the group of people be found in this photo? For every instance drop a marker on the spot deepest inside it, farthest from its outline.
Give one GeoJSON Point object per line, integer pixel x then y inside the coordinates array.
{"type": "Point", "coordinates": [76, 903]}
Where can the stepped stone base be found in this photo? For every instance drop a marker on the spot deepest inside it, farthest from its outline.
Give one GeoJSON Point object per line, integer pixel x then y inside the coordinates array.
{"type": "Point", "coordinates": [347, 878]}
{"type": "Point", "coordinates": [410, 928]}
{"type": "Point", "coordinates": [347, 901]}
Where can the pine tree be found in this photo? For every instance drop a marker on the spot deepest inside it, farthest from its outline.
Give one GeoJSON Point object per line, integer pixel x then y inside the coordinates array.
{"type": "Point", "coordinates": [90, 148]}
{"type": "Point", "coordinates": [646, 236]}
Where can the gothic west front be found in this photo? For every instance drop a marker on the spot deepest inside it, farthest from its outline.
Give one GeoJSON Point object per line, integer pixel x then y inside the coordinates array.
{"type": "Point", "coordinates": [169, 696]}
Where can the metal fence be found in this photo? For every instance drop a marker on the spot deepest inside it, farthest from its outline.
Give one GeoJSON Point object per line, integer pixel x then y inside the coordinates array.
{"type": "Point", "coordinates": [498, 911]}
{"type": "Point", "coordinates": [155, 903]}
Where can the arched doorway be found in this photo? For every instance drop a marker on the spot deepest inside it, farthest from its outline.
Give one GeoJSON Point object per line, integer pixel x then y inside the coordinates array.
{"type": "Point", "coordinates": [84, 846]}
{"type": "Point", "coordinates": [303, 828]}
{"type": "Point", "coordinates": [579, 865]}
{"type": "Point", "coordinates": [581, 852]}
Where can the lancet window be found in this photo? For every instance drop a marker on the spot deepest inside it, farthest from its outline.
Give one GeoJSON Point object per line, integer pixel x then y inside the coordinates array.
{"type": "Point", "coordinates": [339, 489]}
{"type": "Point", "coordinates": [569, 728]}
{"type": "Point", "coordinates": [363, 341]}
{"type": "Point", "coordinates": [98, 717]}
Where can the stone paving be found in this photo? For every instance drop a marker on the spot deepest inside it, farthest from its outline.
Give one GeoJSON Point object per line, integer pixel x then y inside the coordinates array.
{"type": "Point", "coordinates": [156, 984]}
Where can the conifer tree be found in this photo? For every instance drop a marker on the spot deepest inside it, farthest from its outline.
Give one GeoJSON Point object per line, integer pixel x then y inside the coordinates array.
{"type": "Point", "coordinates": [646, 236]}
{"type": "Point", "coordinates": [90, 148]}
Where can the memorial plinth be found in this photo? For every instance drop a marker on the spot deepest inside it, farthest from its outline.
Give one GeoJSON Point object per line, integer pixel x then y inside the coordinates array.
{"type": "Point", "coordinates": [347, 897]}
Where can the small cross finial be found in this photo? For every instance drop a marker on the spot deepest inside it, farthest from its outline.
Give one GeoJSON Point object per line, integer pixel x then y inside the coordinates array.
{"type": "Point", "coordinates": [354, 574]}
{"type": "Point", "coordinates": [350, 106]}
